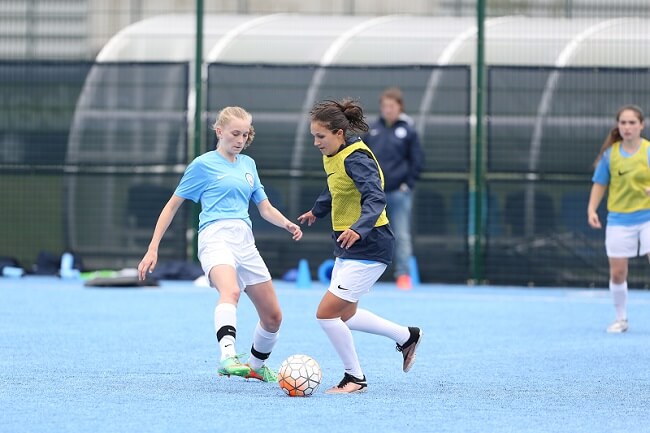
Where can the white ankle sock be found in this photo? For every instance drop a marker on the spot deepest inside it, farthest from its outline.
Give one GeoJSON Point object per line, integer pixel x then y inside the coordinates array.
{"type": "Point", "coordinates": [365, 321]}
{"type": "Point", "coordinates": [225, 325]}
{"type": "Point", "coordinates": [341, 338]}
{"type": "Point", "coordinates": [619, 295]}
{"type": "Point", "coordinates": [263, 343]}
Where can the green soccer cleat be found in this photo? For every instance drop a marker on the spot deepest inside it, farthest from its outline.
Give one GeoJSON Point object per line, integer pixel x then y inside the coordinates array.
{"type": "Point", "coordinates": [264, 374]}
{"type": "Point", "coordinates": [232, 366]}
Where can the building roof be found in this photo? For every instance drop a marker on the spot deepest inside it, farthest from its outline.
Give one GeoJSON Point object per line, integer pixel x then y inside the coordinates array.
{"type": "Point", "coordinates": [384, 40]}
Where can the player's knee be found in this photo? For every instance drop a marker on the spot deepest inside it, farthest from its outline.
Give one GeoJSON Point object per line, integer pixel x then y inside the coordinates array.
{"type": "Point", "coordinates": [324, 314]}
{"type": "Point", "coordinates": [230, 296]}
{"type": "Point", "coordinates": [618, 276]}
{"type": "Point", "coordinates": [273, 321]}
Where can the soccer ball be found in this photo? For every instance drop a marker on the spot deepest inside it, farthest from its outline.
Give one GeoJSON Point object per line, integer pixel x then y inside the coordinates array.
{"type": "Point", "coordinates": [299, 376]}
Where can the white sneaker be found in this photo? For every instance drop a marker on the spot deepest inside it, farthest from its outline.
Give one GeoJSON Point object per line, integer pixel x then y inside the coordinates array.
{"type": "Point", "coordinates": [617, 327]}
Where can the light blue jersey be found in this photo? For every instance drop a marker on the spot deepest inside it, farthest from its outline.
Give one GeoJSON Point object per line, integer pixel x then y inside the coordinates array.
{"type": "Point", "coordinates": [224, 188]}
{"type": "Point", "coordinates": [602, 176]}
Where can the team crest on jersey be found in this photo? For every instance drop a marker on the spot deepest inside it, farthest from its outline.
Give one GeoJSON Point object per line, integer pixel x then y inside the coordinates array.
{"type": "Point", "coordinates": [401, 132]}
{"type": "Point", "coordinates": [249, 178]}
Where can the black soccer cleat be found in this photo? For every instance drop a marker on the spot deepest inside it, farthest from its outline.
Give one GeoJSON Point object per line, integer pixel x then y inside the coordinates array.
{"type": "Point", "coordinates": [408, 348]}
{"type": "Point", "coordinates": [349, 385]}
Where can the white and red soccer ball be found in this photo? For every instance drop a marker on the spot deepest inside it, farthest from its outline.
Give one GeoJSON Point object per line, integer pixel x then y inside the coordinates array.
{"type": "Point", "coordinates": [299, 375]}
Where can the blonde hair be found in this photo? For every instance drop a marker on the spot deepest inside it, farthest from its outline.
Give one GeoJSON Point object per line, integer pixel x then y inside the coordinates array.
{"type": "Point", "coordinates": [227, 114]}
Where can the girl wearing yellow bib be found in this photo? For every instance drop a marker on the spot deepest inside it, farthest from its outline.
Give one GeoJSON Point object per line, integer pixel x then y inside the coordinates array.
{"type": "Point", "coordinates": [623, 167]}
{"type": "Point", "coordinates": [363, 240]}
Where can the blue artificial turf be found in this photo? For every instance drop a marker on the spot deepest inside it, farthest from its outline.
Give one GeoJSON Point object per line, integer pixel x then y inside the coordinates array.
{"type": "Point", "coordinates": [75, 359]}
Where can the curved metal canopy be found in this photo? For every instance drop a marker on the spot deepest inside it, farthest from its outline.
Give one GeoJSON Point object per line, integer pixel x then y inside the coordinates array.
{"type": "Point", "coordinates": [392, 39]}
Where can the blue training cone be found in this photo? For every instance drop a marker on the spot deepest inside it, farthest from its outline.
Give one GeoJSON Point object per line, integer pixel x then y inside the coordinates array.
{"type": "Point", "coordinates": [325, 272]}
{"type": "Point", "coordinates": [303, 281]}
{"type": "Point", "coordinates": [414, 271]}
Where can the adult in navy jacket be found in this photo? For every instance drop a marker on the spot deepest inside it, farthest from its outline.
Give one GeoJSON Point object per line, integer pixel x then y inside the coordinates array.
{"type": "Point", "coordinates": [396, 145]}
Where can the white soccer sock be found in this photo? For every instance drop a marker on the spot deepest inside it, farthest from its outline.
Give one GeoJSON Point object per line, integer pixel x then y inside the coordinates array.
{"type": "Point", "coordinates": [263, 343]}
{"type": "Point", "coordinates": [365, 321]}
{"type": "Point", "coordinates": [619, 294]}
{"type": "Point", "coordinates": [225, 325]}
{"type": "Point", "coordinates": [341, 338]}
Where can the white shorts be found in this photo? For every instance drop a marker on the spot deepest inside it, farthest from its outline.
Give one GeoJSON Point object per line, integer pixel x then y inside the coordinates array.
{"type": "Point", "coordinates": [627, 241]}
{"type": "Point", "coordinates": [231, 242]}
{"type": "Point", "coordinates": [353, 278]}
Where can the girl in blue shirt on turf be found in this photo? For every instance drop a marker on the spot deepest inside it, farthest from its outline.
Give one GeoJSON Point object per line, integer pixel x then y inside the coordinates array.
{"type": "Point", "coordinates": [623, 167]}
{"type": "Point", "coordinates": [355, 198]}
{"type": "Point", "coordinates": [224, 181]}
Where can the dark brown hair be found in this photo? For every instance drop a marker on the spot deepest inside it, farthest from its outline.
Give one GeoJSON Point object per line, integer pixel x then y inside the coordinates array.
{"type": "Point", "coordinates": [614, 134]}
{"type": "Point", "coordinates": [345, 114]}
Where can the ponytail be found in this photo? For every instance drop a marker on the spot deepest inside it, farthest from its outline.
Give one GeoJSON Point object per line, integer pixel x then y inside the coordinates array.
{"type": "Point", "coordinates": [345, 114]}
{"type": "Point", "coordinates": [613, 136]}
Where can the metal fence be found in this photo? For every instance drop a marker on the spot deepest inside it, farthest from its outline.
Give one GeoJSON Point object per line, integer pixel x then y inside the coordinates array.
{"type": "Point", "coordinates": [90, 151]}
{"type": "Point", "coordinates": [122, 146]}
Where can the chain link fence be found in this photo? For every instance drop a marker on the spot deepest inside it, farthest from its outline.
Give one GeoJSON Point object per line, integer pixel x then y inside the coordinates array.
{"type": "Point", "coordinates": [92, 147]}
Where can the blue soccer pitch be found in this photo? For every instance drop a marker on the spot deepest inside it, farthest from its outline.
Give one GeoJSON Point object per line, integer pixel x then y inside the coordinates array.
{"type": "Point", "coordinates": [75, 359]}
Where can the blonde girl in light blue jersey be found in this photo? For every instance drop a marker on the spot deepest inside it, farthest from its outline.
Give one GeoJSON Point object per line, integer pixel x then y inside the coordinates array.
{"type": "Point", "coordinates": [623, 167]}
{"type": "Point", "coordinates": [224, 181]}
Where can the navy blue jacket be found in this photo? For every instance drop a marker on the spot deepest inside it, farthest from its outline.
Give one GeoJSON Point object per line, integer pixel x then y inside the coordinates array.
{"type": "Point", "coordinates": [397, 148]}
